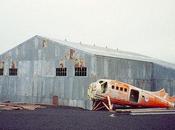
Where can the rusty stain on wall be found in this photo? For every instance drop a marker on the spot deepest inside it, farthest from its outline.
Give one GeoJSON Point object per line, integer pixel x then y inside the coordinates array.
{"type": "Point", "coordinates": [44, 43]}
{"type": "Point", "coordinates": [13, 66]}
{"type": "Point", "coordinates": [82, 63]}
{"type": "Point", "coordinates": [72, 52]}
{"type": "Point", "coordinates": [61, 63]}
{"type": "Point", "coordinates": [79, 62]}
{"type": "Point", "coordinates": [76, 59]}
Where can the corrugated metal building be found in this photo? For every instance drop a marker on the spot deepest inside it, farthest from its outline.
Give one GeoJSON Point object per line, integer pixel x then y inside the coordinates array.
{"type": "Point", "coordinates": [41, 68]}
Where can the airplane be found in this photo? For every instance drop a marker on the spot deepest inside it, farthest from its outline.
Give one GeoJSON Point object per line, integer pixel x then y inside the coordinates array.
{"type": "Point", "coordinates": [106, 93]}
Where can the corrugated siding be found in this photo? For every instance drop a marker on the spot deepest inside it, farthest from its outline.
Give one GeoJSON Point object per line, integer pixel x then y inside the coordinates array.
{"type": "Point", "coordinates": [164, 78]}
{"type": "Point", "coordinates": [137, 73]}
{"type": "Point", "coordinates": [36, 82]}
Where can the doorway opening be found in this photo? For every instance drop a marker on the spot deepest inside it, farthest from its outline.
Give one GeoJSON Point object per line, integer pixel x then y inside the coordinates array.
{"type": "Point", "coordinates": [134, 96]}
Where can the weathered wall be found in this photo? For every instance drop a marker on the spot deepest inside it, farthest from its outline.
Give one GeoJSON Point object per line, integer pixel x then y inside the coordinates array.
{"type": "Point", "coordinates": [163, 77]}
{"type": "Point", "coordinates": [36, 82]}
{"type": "Point", "coordinates": [137, 73]}
{"type": "Point", "coordinates": [146, 75]}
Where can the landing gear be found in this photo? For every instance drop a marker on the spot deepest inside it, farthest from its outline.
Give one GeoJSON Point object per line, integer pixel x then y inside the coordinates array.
{"type": "Point", "coordinates": [101, 105]}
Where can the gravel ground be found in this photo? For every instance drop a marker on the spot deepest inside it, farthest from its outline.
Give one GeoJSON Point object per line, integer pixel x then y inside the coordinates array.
{"type": "Point", "coordinates": [67, 118]}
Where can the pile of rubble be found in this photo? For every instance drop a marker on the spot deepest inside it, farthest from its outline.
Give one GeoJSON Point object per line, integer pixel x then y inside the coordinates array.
{"type": "Point", "coordinates": [20, 106]}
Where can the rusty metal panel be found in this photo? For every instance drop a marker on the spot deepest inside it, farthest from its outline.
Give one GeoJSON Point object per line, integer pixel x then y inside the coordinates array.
{"type": "Point", "coordinates": [75, 92]}
{"type": "Point", "coordinates": [142, 83]}
{"type": "Point", "coordinates": [112, 68]}
{"type": "Point", "coordinates": [162, 72]}
{"type": "Point", "coordinates": [100, 67]}
{"type": "Point", "coordinates": [163, 77]}
{"type": "Point", "coordinates": [93, 67]}
{"type": "Point", "coordinates": [44, 68]}
{"type": "Point", "coordinates": [168, 85]}
{"type": "Point", "coordinates": [4, 88]}
{"type": "Point", "coordinates": [68, 88]}
{"type": "Point", "coordinates": [125, 70]}
{"type": "Point", "coordinates": [59, 88]}
{"type": "Point", "coordinates": [25, 69]}
{"type": "Point", "coordinates": [122, 69]}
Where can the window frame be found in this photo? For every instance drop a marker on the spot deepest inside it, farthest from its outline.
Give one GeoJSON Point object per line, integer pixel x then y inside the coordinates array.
{"type": "Point", "coordinates": [80, 71]}
{"type": "Point", "coordinates": [117, 88]}
{"type": "Point", "coordinates": [121, 88]}
{"type": "Point", "coordinates": [61, 71]}
{"type": "Point", "coordinates": [13, 71]}
{"type": "Point", "coordinates": [1, 72]}
{"type": "Point", "coordinates": [113, 87]}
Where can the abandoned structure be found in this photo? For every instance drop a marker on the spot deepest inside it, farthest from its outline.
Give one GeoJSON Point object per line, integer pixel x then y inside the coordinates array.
{"type": "Point", "coordinates": [41, 68]}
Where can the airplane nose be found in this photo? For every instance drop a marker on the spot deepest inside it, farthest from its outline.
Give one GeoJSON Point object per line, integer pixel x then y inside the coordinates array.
{"type": "Point", "coordinates": [91, 90]}
{"type": "Point", "coordinates": [94, 90]}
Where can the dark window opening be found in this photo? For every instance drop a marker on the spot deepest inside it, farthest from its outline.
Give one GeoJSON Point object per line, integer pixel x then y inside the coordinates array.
{"type": "Point", "coordinates": [125, 89]}
{"type": "Point", "coordinates": [100, 82]}
{"type": "Point", "coordinates": [61, 71]}
{"type": "Point", "coordinates": [112, 86]}
{"type": "Point", "coordinates": [80, 71]}
{"type": "Point", "coordinates": [121, 89]}
{"type": "Point", "coordinates": [134, 95]}
{"type": "Point", "coordinates": [1, 71]}
{"type": "Point", "coordinates": [104, 87]}
{"type": "Point", "coordinates": [117, 88]}
{"type": "Point", "coordinates": [13, 71]}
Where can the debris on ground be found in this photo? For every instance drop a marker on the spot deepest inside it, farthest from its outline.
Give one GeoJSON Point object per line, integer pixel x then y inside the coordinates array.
{"type": "Point", "coordinates": [20, 106]}
{"type": "Point", "coordinates": [146, 111]}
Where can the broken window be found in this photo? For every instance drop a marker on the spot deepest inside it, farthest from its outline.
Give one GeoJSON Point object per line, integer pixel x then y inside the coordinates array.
{"type": "Point", "coordinates": [1, 71]}
{"type": "Point", "coordinates": [112, 86]}
{"type": "Point", "coordinates": [117, 88]}
{"type": "Point", "coordinates": [125, 89]}
{"type": "Point", "coordinates": [1, 67]}
{"type": "Point", "coordinates": [80, 71]}
{"type": "Point", "coordinates": [104, 87]}
{"type": "Point", "coordinates": [61, 71]}
{"type": "Point", "coordinates": [13, 71]}
{"type": "Point", "coordinates": [134, 95]}
{"type": "Point", "coordinates": [100, 82]}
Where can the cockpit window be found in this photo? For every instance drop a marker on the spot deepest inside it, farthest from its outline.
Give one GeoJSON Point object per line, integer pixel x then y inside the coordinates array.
{"type": "Point", "coordinates": [104, 87]}
{"type": "Point", "coordinates": [100, 82]}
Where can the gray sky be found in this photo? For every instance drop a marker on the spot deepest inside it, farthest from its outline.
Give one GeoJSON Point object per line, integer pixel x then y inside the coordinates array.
{"type": "Point", "coordinates": [142, 26]}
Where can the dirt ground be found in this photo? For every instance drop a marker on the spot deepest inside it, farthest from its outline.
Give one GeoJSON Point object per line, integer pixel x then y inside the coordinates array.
{"type": "Point", "coordinates": [67, 118]}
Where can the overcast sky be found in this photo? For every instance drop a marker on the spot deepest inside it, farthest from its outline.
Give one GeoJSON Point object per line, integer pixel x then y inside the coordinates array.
{"type": "Point", "coordinates": [141, 26]}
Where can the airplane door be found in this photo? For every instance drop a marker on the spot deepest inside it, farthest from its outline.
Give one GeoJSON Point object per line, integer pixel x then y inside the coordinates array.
{"type": "Point", "coordinates": [134, 96]}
